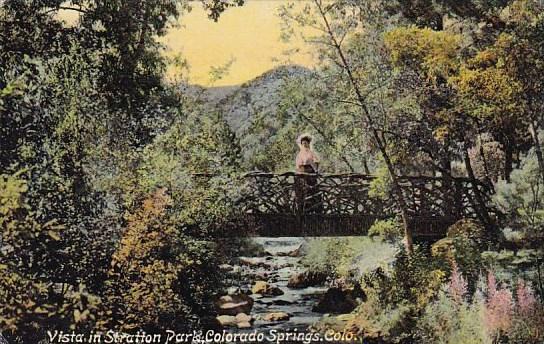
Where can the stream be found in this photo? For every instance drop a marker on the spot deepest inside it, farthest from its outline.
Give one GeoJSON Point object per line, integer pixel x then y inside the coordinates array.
{"type": "Point", "coordinates": [276, 267]}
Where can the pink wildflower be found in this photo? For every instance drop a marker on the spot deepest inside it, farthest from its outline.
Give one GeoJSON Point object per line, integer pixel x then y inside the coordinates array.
{"type": "Point", "coordinates": [491, 284]}
{"type": "Point", "coordinates": [526, 299]}
{"type": "Point", "coordinates": [458, 287]}
{"type": "Point", "coordinates": [498, 308]}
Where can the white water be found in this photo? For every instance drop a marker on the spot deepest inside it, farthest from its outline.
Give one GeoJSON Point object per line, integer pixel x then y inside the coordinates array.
{"type": "Point", "coordinates": [297, 303]}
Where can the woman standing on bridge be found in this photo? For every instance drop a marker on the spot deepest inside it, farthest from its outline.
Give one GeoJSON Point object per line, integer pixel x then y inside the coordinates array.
{"type": "Point", "coordinates": [307, 162]}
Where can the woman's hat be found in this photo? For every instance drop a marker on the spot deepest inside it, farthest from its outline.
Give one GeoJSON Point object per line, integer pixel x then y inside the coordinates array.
{"type": "Point", "coordinates": [304, 137]}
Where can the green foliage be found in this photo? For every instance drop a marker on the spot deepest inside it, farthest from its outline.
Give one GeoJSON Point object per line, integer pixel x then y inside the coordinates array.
{"type": "Point", "coordinates": [416, 278]}
{"type": "Point", "coordinates": [463, 246]}
{"type": "Point", "coordinates": [327, 256]}
{"type": "Point", "coordinates": [197, 160]}
{"type": "Point", "coordinates": [446, 321]}
{"type": "Point", "coordinates": [31, 292]}
{"type": "Point", "coordinates": [522, 198]}
{"type": "Point", "coordinates": [396, 297]}
{"type": "Point", "coordinates": [470, 230]}
{"type": "Point", "coordinates": [87, 132]}
{"type": "Point", "coordinates": [157, 273]}
{"type": "Point", "coordinates": [390, 230]}
{"type": "Point", "coordinates": [347, 258]}
{"type": "Point", "coordinates": [435, 53]}
{"type": "Point", "coordinates": [380, 186]}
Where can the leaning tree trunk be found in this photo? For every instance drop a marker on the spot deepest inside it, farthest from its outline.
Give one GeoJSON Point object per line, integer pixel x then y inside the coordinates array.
{"type": "Point", "coordinates": [480, 206]}
{"type": "Point", "coordinates": [401, 201]}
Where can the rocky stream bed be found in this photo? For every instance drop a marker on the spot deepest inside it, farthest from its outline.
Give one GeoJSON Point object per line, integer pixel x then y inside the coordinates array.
{"type": "Point", "coordinates": [273, 291]}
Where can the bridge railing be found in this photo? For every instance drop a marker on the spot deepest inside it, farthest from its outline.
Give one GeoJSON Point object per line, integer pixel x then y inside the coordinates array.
{"type": "Point", "coordinates": [304, 193]}
{"type": "Point", "coordinates": [431, 201]}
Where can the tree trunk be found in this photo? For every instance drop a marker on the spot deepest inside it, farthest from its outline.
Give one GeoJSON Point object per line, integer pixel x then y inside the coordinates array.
{"type": "Point", "coordinates": [484, 159]}
{"type": "Point", "coordinates": [508, 160]}
{"type": "Point", "coordinates": [408, 237]}
{"type": "Point", "coordinates": [365, 165]}
{"type": "Point", "coordinates": [480, 206]}
{"type": "Point", "coordinates": [538, 149]}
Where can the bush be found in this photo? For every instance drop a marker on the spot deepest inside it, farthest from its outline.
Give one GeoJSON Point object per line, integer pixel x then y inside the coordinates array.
{"type": "Point", "coordinates": [390, 230]}
{"type": "Point", "coordinates": [158, 275]}
{"type": "Point", "coordinates": [470, 230]}
{"type": "Point", "coordinates": [33, 296]}
{"type": "Point", "coordinates": [396, 298]}
{"type": "Point", "coordinates": [522, 199]}
{"type": "Point", "coordinates": [327, 256]}
{"type": "Point", "coordinates": [347, 257]}
{"type": "Point", "coordinates": [462, 248]}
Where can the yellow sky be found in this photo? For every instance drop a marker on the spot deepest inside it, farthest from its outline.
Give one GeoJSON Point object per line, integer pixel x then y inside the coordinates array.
{"type": "Point", "coordinates": [248, 35]}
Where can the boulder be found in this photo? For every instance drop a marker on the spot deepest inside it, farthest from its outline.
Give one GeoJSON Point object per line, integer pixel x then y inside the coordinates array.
{"type": "Point", "coordinates": [265, 289]}
{"type": "Point", "coordinates": [339, 301]}
{"type": "Point", "coordinates": [306, 279]}
{"type": "Point", "coordinates": [294, 253]}
{"type": "Point", "coordinates": [234, 304]}
{"type": "Point", "coordinates": [241, 320]}
{"type": "Point", "coordinates": [227, 320]}
{"type": "Point", "coordinates": [276, 316]}
{"type": "Point", "coordinates": [226, 267]}
{"type": "Point", "coordinates": [233, 291]}
{"type": "Point", "coordinates": [243, 324]}
{"type": "Point", "coordinates": [243, 317]}
{"type": "Point", "coordinates": [253, 262]}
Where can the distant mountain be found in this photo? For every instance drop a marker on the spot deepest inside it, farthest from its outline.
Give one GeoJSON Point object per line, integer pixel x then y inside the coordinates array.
{"type": "Point", "coordinates": [251, 109]}
{"type": "Point", "coordinates": [216, 94]}
{"type": "Point", "coordinates": [258, 96]}
{"type": "Point", "coordinates": [238, 103]}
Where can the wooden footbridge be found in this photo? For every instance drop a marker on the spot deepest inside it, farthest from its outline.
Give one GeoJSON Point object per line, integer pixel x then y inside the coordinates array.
{"type": "Point", "coordinates": [294, 204]}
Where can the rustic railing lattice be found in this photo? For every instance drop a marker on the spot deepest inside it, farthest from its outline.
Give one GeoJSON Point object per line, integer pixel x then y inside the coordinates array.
{"type": "Point", "coordinates": [343, 204]}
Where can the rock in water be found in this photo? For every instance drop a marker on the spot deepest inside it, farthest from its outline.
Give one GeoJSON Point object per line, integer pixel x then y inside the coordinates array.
{"type": "Point", "coordinates": [297, 252]}
{"type": "Point", "coordinates": [276, 316]}
{"type": "Point", "coordinates": [338, 301]}
{"type": "Point", "coordinates": [265, 289]}
{"type": "Point", "coordinates": [243, 317]}
{"type": "Point", "coordinates": [226, 267]}
{"type": "Point", "coordinates": [306, 279]}
{"type": "Point", "coordinates": [243, 325]}
{"type": "Point", "coordinates": [227, 320]}
{"type": "Point", "coordinates": [241, 320]}
{"type": "Point", "coordinates": [234, 304]}
{"type": "Point", "coordinates": [253, 262]}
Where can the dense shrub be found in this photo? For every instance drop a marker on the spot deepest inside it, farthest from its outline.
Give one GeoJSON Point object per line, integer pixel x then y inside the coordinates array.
{"type": "Point", "coordinates": [390, 230]}
{"type": "Point", "coordinates": [522, 199]}
{"type": "Point", "coordinates": [347, 258]}
{"type": "Point", "coordinates": [156, 273]}
{"type": "Point", "coordinates": [396, 297]}
{"type": "Point", "coordinates": [34, 297]}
